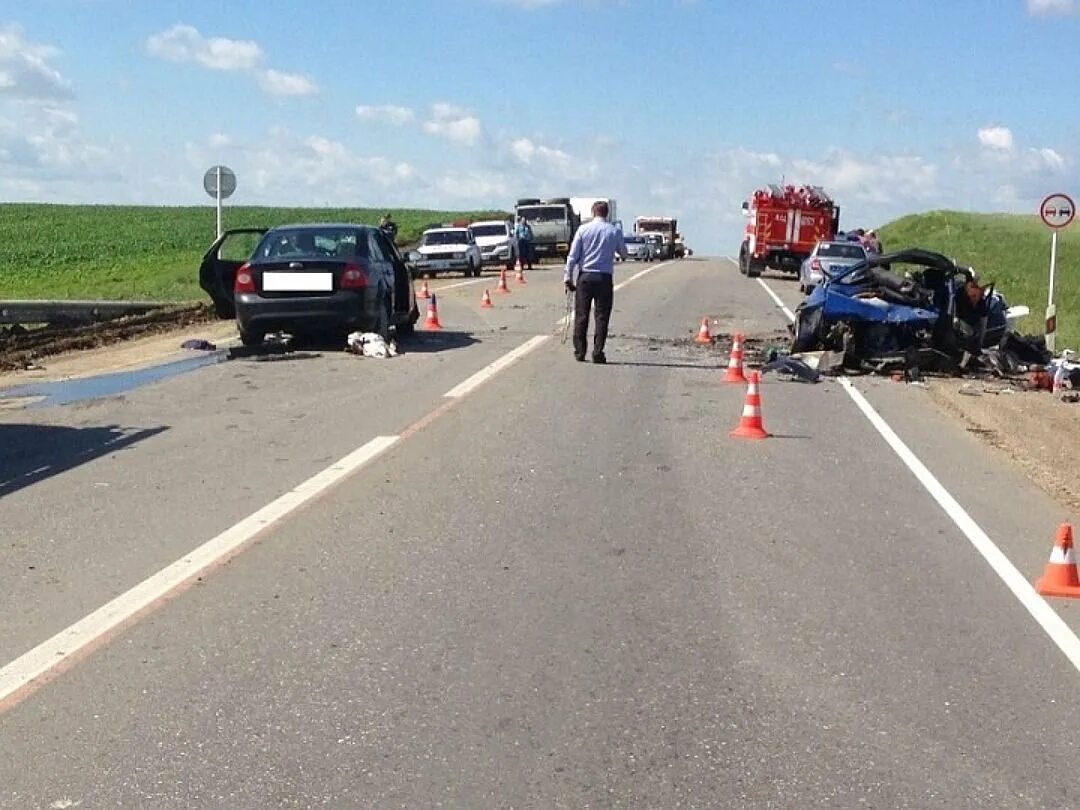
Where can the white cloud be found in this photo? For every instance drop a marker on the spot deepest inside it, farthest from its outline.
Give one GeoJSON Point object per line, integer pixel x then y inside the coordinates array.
{"type": "Point", "coordinates": [26, 70]}
{"type": "Point", "coordinates": [44, 156]}
{"type": "Point", "coordinates": [475, 188]}
{"type": "Point", "coordinates": [1050, 158]}
{"type": "Point", "coordinates": [1048, 8]}
{"type": "Point", "coordinates": [276, 83]}
{"type": "Point", "coordinates": [184, 43]}
{"type": "Point", "coordinates": [386, 114]}
{"type": "Point", "coordinates": [454, 124]}
{"type": "Point", "coordinates": [877, 180]}
{"type": "Point", "coordinates": [996, 137]}
{"type": "Point", "coordinates": [283, 167]}
{"type": "Point", "coordinates": [527, 151]}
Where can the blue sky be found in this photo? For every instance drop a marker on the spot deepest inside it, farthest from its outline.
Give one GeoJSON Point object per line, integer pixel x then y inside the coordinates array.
{"type": "Point", "coordinates": [671, 106]}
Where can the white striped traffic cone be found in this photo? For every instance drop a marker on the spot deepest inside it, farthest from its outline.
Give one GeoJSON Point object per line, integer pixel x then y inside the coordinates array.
{"type": "Point", "coordinates": [735, 364]}
{"type": "Point", "coordinates": [751, 425]}
{"type": "Point", "coordinates": [1061, 577]}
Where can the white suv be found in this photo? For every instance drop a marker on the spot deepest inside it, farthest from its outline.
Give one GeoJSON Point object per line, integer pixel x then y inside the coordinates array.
{"type": "Point", "coordinates": [443, 249]}
{"type": "Point", "coordinates": [497, 242]}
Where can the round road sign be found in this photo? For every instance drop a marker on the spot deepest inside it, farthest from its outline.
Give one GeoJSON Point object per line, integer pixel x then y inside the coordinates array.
{"type": "Point", "coordinates": [1057, 210]}
{"type": "Point", "coordinates": [228, 181]}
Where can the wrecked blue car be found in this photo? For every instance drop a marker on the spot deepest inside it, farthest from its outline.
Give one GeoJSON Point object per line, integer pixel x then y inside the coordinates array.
{"type": "Point", "coordinates": [913, 308]}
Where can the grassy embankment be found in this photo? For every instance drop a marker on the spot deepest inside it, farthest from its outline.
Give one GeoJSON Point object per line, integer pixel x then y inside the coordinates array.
{"type": "Point", "coordinates": [1009, 249]}
{"type": "Point", "coordinates": [143, 253]}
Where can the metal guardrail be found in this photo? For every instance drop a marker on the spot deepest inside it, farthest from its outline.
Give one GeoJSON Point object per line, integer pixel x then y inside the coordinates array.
{"type": "Point", "coordinates": [72, 312]}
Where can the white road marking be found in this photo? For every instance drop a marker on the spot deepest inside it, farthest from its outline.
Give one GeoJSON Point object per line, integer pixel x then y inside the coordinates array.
{"type": "Point", "coordinates": [38, 661]}
{"type": "Point", "coordinates": [563, 320]}
{"type": "Point", "coordinates": [489, 371]}
{"type": "Point", "coordinates": [438, 290]}
{"type": "Point", "coordinates": [1054, 626]}
{"type": "Point", "coordinates": [776, 298]}
{"type": "Point", "coordinates": [639, 274]}
{"type": "Point", "coordinates": [25, 670]}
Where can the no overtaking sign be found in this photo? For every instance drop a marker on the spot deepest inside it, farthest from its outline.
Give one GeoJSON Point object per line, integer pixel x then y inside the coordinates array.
{"type": "Point", "coordinates": [1057, 210]}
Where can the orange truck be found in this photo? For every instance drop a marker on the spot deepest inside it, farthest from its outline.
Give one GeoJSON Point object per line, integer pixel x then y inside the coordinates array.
{"type": "Point", "coordinates": [783, 224]}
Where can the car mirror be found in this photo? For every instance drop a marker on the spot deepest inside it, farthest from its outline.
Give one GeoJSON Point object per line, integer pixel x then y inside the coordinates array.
{"type": "Point", "coordinates": [415, 255]}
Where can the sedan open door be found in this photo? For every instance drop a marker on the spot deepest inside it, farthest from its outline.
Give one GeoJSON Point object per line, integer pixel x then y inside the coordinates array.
{"type": "Point", "coordinates": [217, 274]}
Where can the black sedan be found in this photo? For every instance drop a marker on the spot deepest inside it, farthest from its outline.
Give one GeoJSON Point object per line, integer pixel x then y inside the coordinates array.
{"type": "Point", "coordinates": [314, 279]}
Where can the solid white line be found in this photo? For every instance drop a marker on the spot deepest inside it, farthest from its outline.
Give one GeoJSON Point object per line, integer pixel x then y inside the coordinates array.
{"type": "Point", "coordinates": [562, 321]}
{"type": "Point", "coordinates": [489, 371]}
{"type": "Point", "coordinates": [776, 298]}
{"type": "Point", "coordinates": [1054, 626]}
{"type": "Point", "coordinates": [35, 663]}
{"type": "Point", "coordinates": [27, 668]}
{"type": "Point", "coordinates": [639, 274]}
{"type": "Point", "coordinates": [455, 286]}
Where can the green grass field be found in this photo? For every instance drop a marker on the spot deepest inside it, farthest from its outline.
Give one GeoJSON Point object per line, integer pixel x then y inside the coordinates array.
{"type": "Point", "coordinates": [143, 253]}
{"type": "Point", "coordinates": [1009, 249]}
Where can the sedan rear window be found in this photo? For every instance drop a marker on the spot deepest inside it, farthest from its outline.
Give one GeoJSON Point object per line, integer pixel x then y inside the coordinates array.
{"type": "Point", "coordinates": [312, 243]}
{"type": "Point", "coordinates": [841, 251]}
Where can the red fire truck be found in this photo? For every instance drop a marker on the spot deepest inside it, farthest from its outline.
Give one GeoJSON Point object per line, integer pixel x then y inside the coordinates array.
{"type": "Point", "coordinates": [783, 225]}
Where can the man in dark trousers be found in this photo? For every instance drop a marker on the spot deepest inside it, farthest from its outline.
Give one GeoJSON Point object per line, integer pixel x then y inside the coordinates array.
{"type": "Point", "coordinates": [592, 254]}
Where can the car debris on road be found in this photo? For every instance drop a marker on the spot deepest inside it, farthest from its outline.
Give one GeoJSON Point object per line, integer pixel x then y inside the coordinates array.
{"type": "Point", "coordinates": [794, 367]}
{"type": "Point", "coordinates": [371, 344]}
{"type": "Point", "coordinates": [198, 344]}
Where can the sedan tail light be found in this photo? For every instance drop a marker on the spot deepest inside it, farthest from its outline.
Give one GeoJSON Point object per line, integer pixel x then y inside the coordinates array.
{"type": "Point", "coordinates": [245, 281]}
{"type": "Point", "coordinates": [354, 277]}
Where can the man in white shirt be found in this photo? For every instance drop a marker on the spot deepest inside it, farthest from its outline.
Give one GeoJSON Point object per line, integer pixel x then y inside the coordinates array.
{"type": "Point", "coordinates": [592, 255]}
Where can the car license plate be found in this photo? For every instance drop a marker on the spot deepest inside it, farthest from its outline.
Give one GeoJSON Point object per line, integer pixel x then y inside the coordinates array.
{"type": "Point", "coordinates": [298, 282]}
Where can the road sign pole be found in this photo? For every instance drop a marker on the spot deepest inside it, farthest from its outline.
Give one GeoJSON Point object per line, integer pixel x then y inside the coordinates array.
{"type": "Point", "coordinates": [1051, 310]}
{"type": "Point", "coordinates": [1057, 211]}
{"type": "Point", "coordinates": [219, 182]}
{"type": "Point", "coordinates": [218, 196]}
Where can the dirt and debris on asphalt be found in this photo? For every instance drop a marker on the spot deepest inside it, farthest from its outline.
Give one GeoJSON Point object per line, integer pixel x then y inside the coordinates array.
{"type": "Point", "coordinates": [22, 348]}
{"type": "Point", "coordinates": [756, 347]}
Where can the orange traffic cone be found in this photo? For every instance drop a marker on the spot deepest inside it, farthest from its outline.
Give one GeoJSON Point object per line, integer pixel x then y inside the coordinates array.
{"type": "Point", "coordinates": [1060, 578]}
{"type": "Point", "coordinates": [502, 288]}
{"type": "Point", "coordinates": [425, 293]}
{"type": "Point", "coordinates": [520, 273]}
{"type": "Point", "coordinates": [432, 321]}
{"type": "Point", "coordinates": [735, 364]}
{"type": "Point", "coordinates": [485, 302]}
{"type": "Point", "coordinates": [750, 426]}
{"type": "Point", "coordinates": [703, 335]}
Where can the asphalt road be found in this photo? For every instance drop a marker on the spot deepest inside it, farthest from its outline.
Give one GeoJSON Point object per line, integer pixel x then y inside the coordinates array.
{"type": "Point", "coordinates": [564, 586]}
